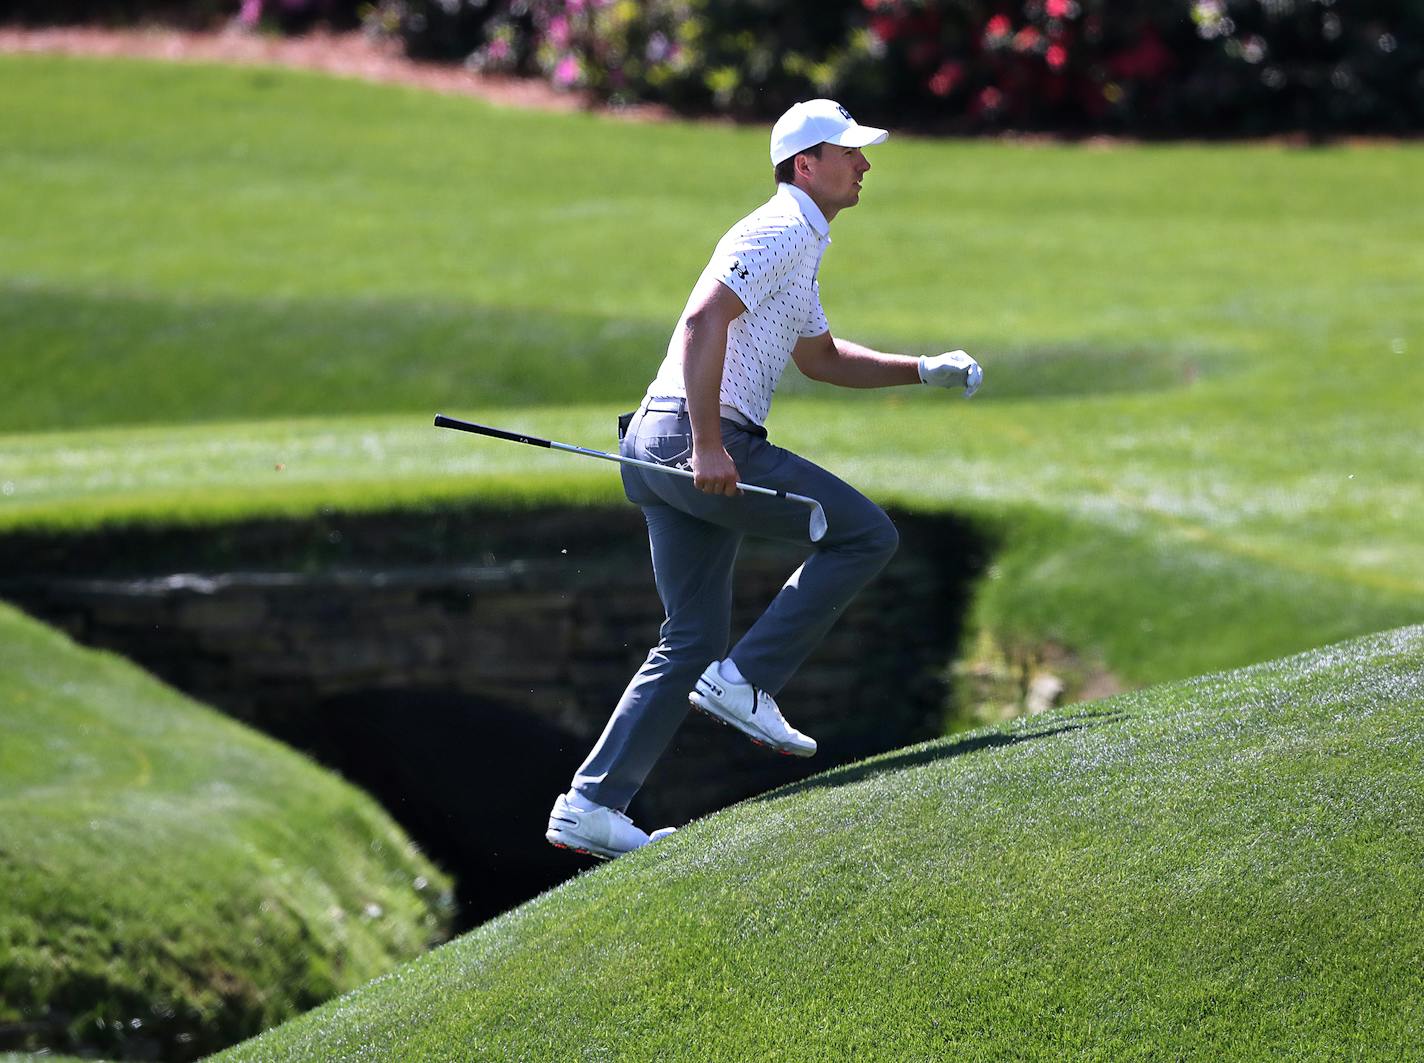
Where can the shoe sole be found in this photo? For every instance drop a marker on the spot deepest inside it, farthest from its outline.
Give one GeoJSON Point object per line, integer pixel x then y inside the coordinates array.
{"type": "Point", "coordinates": [756, 736]}
{"type": "Point", "coordinates": [567, 840]}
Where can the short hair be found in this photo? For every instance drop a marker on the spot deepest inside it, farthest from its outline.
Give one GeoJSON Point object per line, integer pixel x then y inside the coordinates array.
{"type": "Point", "coordinates": [785, 170]}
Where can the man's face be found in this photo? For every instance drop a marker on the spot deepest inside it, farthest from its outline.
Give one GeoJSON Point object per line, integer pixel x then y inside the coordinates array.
{"type": "Point", "coordinates": [833, 180]}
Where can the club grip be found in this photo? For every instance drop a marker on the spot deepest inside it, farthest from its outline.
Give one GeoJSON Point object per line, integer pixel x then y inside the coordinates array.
{"type": "Point", "coordinates": [441, 421]}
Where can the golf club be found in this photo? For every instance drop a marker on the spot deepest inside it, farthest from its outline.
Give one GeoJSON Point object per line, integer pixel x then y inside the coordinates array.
{"type": "Point", "coordinates": [818, 515]}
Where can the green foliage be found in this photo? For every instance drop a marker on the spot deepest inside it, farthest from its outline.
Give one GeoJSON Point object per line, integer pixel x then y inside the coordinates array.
{"type": "Point", "coordinates": [173, 881]}
{"type": "Point", "coordinates": [1155, 68]}
{"type": "Point", "coordinates": [1225, 868]}
{"type": "Point", "coordinates": [1151, 67]}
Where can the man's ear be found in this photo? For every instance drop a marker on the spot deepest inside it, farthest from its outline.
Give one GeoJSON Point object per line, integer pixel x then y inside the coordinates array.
{"type": "Point", "coordinates": [803, 164]}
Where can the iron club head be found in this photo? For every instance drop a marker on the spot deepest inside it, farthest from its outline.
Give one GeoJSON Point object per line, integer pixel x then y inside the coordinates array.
{"type": "Point", "coordinates": [818, 515]}
{"type": "Point", "coordinates": [818, 522]}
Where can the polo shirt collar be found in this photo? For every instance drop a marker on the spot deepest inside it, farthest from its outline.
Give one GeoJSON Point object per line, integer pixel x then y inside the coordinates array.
{"type": "Point", "coordinates": [808, 208]}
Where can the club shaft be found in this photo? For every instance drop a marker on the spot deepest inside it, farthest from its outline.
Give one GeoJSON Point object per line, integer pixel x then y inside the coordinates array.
{"type": "Point", "coordinates": [441, 421]}
{"type": "Point", "coordinates": [673, 470]}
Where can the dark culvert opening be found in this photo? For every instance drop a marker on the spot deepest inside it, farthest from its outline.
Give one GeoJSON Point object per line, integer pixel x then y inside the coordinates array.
{"type": "Point", "coordinates": [470, 781]}
{"type": "Point", "coordinates": [459, 664]}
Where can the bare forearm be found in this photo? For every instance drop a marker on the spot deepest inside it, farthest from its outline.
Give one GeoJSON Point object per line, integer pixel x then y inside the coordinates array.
{"type": "Point", "coordinates": [858, 366]}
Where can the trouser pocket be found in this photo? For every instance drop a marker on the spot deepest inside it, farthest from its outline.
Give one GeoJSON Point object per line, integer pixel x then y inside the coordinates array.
{"type": "Point", "coordinates": [673, 451]}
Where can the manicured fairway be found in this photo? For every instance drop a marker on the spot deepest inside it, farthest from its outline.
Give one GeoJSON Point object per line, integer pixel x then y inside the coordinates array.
{"type": "Point", "coordinates": [1224, 868]}
{"type": "Point", "coordinates": [190, 244]}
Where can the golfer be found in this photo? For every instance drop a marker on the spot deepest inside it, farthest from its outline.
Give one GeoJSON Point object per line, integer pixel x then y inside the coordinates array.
{"type": "Point", "coordinates": [756, 306]}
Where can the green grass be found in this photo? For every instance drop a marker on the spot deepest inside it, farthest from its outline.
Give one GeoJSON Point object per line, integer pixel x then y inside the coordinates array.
{"type": "Point", "coordinates": [235, 242]}
{"type": "Point", "coordinates": [1224, 868]}
{"type": "Point", "coordinates": [1197, 439]}
{"type": "Point", "coordinates": [249, 243]}
{"type": "Point", "coordinates": [1197, 448]}
{"type": "Point", "coordinates": [171, 878]}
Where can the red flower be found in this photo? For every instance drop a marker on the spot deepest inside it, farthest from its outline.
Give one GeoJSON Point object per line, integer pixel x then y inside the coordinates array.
{"type": "Point", "coordinates": [1026, 38]}
{"type": "Point", "coordinates": [946, 78]}
{"type": "Point", "coordinates": [999, 26]}
{"type": "Point", "coordinates": [990, 99]}
{"type": "Point", "coordinates": [1057, 8]}
{"type": "Point", "coordinates": [886, 27]}
{"type": "Point", "coordinates": [1057, 56]}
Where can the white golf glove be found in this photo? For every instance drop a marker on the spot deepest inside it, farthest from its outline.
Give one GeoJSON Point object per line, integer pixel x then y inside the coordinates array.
{"type": "Point", "coordinates": [953, 369]}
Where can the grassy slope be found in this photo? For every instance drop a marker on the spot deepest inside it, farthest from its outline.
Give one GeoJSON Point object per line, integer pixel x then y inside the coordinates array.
{"type": "Point", "coordinates": [170, 876]}
{"type": "Point", "coordinates": [1197, 437]}
{"type": "Point", "coordinates": [1223, 868]}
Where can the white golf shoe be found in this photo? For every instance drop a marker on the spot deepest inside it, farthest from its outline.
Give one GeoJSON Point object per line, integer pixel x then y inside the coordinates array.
{"type": "Point", "coordinates": [749, 710]}
{"type": "Point", "coordinates": [579, 824]}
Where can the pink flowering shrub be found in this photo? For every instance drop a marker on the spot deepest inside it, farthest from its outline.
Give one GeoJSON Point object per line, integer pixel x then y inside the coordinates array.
{"type": "Point", "coordinates": [1149, 67]}
{"type": "Point", "coordinates": [739, 56]}
{"type": "Point", "coordinates": [296, 16]}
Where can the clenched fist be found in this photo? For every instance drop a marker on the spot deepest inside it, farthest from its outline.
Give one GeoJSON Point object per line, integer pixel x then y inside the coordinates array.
{"type": "Point", "coordinates": [953, 369]}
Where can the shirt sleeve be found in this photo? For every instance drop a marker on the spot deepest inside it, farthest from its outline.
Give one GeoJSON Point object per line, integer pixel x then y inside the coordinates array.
{"type": "Point", "coordinates": [816, 324]}
{"type": "Point", "coordinates": [755, 262]}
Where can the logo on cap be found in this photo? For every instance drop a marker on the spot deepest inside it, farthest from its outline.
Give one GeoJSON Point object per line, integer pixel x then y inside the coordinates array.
{"type": "Point", "coordinates": [844, 113]}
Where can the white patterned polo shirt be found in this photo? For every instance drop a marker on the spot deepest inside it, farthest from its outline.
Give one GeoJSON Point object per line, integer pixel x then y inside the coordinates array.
{"type": "Point", "coordinates": [769, 259]}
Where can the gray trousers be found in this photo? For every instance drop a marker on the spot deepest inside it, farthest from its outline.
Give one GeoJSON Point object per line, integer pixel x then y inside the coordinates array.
{"type": "Point", "coordinates": [694, 538]}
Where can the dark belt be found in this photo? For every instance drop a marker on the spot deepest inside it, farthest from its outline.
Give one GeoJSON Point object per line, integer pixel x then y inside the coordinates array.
{"type": "Point", "coordinates": [672, 404]}
{"type": "Point", "coordinates": [656, 404]}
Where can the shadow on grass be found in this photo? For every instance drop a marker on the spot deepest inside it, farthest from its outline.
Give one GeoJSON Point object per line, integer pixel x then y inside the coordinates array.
{"type": "Point", "coordinates": [205, 359]}
{"type": "Point", "coordinates": [945, 749]}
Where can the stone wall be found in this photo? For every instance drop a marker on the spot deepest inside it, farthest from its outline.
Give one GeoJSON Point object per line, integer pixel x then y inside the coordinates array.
{"type": "Point", "coordinates": [460, 665]}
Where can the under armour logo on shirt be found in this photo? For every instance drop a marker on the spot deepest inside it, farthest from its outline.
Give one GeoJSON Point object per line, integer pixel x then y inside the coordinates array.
{"type": "Point", "coordinates": [740, 270]}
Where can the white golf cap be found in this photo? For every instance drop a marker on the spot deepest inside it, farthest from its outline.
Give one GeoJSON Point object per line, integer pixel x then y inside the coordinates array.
{"type": "Point", "coordinates": [819, 122]}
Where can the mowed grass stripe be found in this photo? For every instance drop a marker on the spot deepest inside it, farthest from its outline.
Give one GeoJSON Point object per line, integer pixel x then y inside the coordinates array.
{"type": "Point", "coordinates": [191, 243]}
{"type": "Point", "coordinates": [942, 455]}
